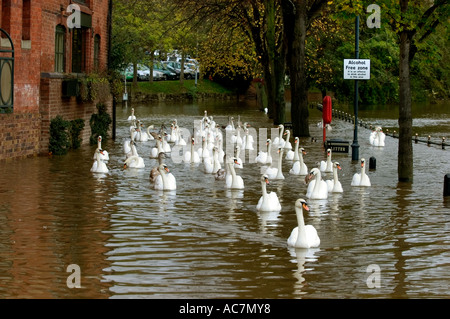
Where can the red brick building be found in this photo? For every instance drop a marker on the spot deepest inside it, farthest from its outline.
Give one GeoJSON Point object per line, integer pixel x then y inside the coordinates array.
{"type": "Point", "coordinates": [56, 43]}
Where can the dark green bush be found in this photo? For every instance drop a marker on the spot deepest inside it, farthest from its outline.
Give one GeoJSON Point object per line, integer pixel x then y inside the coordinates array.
{"type": "Point", "coordinates": [59, 142]}
{"type": "Point", "coordinates": [99, 124]}
{"type": "Point", "coordinates": [76, 126]}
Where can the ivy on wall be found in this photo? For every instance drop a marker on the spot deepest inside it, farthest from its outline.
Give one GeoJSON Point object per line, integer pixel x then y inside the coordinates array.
{"type": "Point", "coordinates": [99, 124]}
{"type": "Point", "coordinates": [64, 135]}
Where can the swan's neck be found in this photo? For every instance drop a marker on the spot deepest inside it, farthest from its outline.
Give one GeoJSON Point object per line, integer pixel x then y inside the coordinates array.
{"type": "Point", "coordinates": [280, 159]}
{"type": "Point", "coordinates": [301, 235]}
{"type": "Point", "coordinates": [163, 177]}
{"type": "Point", "coordinates": [335, 175]}
{"type": "Point", "coordinates": [318, 180]}
{"type": "Point", "coordinates": [363, 170]}
{"type": "Point", "coordinates": [300, 156]}
{"type": "Point", "coordinates": [264, 188]}
{"type": "Point", "coordinates": [281, 132]}
{"type": "Point", "coordinates": [269, 148]}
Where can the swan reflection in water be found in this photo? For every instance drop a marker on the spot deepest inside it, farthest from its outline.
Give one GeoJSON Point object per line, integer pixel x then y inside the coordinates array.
{"type": "Point", "coordinates": [301, 257]}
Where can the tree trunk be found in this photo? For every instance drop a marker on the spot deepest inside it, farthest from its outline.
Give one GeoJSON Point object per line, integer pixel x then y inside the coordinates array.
{"type": "Point", "coordinates": [295, 31]}
{"type": "Point", "coordinates": [405, 147]}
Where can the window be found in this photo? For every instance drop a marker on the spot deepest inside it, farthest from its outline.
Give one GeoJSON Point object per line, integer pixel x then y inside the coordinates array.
{"type": "Point", "coordinates": [60, 48]}
{"type": "Point", "coordinates": [26, 19]}
{"type": "Point", "coordinates": [96, 52]}
{"type": "Point", "coordinates": [77, 50]}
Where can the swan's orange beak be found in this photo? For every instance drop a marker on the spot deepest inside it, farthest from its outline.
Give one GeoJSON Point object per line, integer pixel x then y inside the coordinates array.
{"type": "Point", "coordinates": [304, 152]}
{"type": "Point", "coordinates": [362, 164]}
{"type": "Point", "coordinates": [167, 169]}
{"type": "Point", "coordinates": [305, 207]}
{"type": "Point", "coordinates": [267, 181]}
{"type": "Point", "coordinates": [125, 166]}
{"type": "Point", "coordinates": [339, 166]}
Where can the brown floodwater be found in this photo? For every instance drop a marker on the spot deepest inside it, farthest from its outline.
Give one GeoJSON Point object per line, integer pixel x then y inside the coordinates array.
{"type": "Point", "coordinates": [204, 241]}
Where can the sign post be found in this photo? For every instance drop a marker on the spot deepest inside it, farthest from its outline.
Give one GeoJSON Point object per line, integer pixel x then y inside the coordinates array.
{"type": "Point", "coordinates": [356, 69]}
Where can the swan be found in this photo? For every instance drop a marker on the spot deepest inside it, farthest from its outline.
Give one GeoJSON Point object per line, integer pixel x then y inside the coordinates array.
{"type": "Point", "coordinates": [287, 143]}
{"type": "Point", "coordinates": [165, 180]}
{"type": "Point", "coordinates": [155, 172]}
{"type": "Point", "coordinates": [292, 155]}
{"type": "Point", "coordinates": [132, 117]}
{"type": "Point", "coordinates": [317, 188]}
{"type": "Point", "coordinates": [134, 161]}
{"type": "Point", "coordinates": [127, 143]}
{"type": "Point", "coordinates": [212, 165]}
{"type": "Point", "coordinates": [361, 179]}
{"type": "Point", "coordinates": [276, 172]}
{"type": "Point", "coordinates": [334, 185]}
{"type": "Point", "coordinates": [99, 166]}
{"type": "Point", "coordinates": [265, 157]}
{"type": "Point", "coordinates": [303, 236]}
{"type": "Point", "coordinates": [104, 155]}
{"type": "Point", "coordinates": [230, 125]}
{"type": "Point", "coordinates": [299, 167]}
{"type": "Point", "coordinates": [248, 140]}
{"type": "Point", "coordinates": [238, 163]}
{"type": "Point", "coordinates": [233, 181]}
{"type": "Point", "coordinates": [165, 145]}
{"type": "Point", "coordinates": [157, 149]}
{"type": "Point", "coordinates": [142, 136]}
{"type": "Point", "coordinates": [203, 151]}
{"type": "Point", "coordinates": [377, 137]}
{"type": "Point", "coordinates": [278, 141]}
{"type": "Point", "coordinates": [268, 202]}
{"type": "Point", "coordinates": [327, 166]}
{"type": "Point", "coordinates": [191, 156]}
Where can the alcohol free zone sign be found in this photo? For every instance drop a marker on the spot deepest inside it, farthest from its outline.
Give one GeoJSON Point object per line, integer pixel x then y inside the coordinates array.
{"type": "Point", "coordinates": [356, 69]}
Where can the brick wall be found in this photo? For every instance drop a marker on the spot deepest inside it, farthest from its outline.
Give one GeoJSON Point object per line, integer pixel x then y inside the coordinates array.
{"type": "Point", "coordinates": [69, 108]}
{"type": "Point", "coordinates": [38, 96]}
{"type": "Point", "coordinates": [19, 135]}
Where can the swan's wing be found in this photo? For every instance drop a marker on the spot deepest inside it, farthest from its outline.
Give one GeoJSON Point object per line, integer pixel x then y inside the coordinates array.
{"type": "Point", "coordinates": [293, 237]}
{"type": "Point", "coordinates": [312, 236]}
{"type": "Point", "coordinates": [356, 180]}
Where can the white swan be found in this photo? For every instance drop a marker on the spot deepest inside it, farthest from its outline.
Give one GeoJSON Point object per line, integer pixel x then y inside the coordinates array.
{"type": "Point", "coordinates": [230, 125]}
{"type": "Point", "coordinates": [134, 161]}
{"type": "Point", "coordinates": [292, 155]}
{"type": "Point", "coordinates": [99, 166]}
{"type": "Point", "coordinates": [268, 202]}
{"type": "Point", "coordinates": [238, 163]}
{"type": "Point", "coordinates": [104, 155]}
{"type": "Point", "coordinates": [132, 117]}
{"type": "Point", "coordinates": [299, 167]}
{"type": "Point", "coordinates": [165, 180]}
{"type": "Point", "coordinates": [317, 188]}
{"type": "Point", "coordinates": [278, 141]}
{"type": "Point", "coordinates": [157, 149]}
{"type": "Point", "coordinates": [127, 143]}
{"type": "Point", "coordinates": [377, 137]}
{"type": "Point", "coordinates": [233, 181]}
{"type": "Point", "coordinates": [212, 165]}
{"type": "Point", "coordinates": [203, 151]}
{"type": "Point", "coordinates": [191, 156]}
{"type": "Point", "coordinates": [165, 145]}
{"type": "Point", "coordinates": [303, 236]}
{"type": "Point", "coordinates": [248, 140]}
{"type": "Point", "coordinates": [334, 185]}
{"type": "Point", "coordinates": [276, 172]}
{"type": "Point", "coordinates": [265, 157]}
{"type": "Point", "coordinates": [287, 143]}
{"type": "Point", "coordinates": [361, 179]}
{"type": "Point", "coordinates": [327, 166]}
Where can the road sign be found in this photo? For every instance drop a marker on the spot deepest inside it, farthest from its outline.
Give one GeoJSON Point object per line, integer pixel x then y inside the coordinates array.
{"type": "Point", "coordinates": [356, 69]}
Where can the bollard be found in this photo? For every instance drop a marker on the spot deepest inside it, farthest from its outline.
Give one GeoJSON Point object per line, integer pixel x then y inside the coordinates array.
{"type": "Point", "coordinates": [416, 139]}
{"type": "Point", "coordinates": [447, 185]}
{"type": "Point", "coordinates": [443, 143]}
{"type": "Point", "coordinates": [372, 163]}
{"type": "Point", "coordinates": [429, 140]}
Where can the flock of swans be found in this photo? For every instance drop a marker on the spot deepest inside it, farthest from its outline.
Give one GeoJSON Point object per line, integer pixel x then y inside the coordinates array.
{"type": "Point", "coordinates": [225, 167]}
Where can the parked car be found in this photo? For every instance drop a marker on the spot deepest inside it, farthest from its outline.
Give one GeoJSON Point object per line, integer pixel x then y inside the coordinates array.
{"type": "Point", "coordinates": [162, 68]}
{"type": "Point", "coordinates": [128, 73]}
{"type": "Point", "coordinates": [143, 74]}
{"type": "Point", "coordinates": [188, 73]}
{"type": "Point", "coordinates": [172, 69]}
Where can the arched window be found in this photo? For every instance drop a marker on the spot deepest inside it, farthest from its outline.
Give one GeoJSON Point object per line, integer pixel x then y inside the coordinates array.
{"type": "Point", "coordinates": [60, 48]}
{"type": "Point", "coordinates": [96, 52]}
